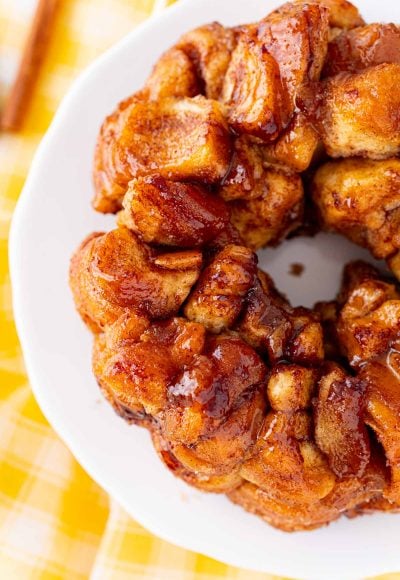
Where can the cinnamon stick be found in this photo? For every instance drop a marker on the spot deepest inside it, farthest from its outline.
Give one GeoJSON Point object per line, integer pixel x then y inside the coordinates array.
{"type": "Point", "coordinates": [34, 51]}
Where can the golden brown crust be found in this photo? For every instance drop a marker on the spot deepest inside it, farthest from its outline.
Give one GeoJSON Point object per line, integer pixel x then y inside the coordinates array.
{"type": "Point", "coordinates": [169, 213]}
{"type": "Point", "coordinates": [370, 219]}
{"type": "Point", "coordinates": [95, 311]}
{"type": "Point", "coordinates": [173, 75]}
{"type": "Point", "coordinates": [297, 146]}
{"type": "Point", "coordinates": [340, 431]}
{"type": "Point", "coordinates": [210, 48]}
{"type": "Point", "coordinates": [366, 46]}
{"type": "Point", "coordinates": [378, 504]}
{"type": "Point", "coordinates": [181, 139]}
{"type": "Point", "coordinates": [359, 116]}
{"type": "Point", "coordinates": [113, 272]}
{"type": "Point", "coordinates": [267, 219]}
{"type": "Point", "coordinates": [217, 299]}
{"type": "Point", "coordinates": [253, 92]}
{"type": "Point", "coordinates": [347, 495]}
{"type": "Point", "coordinates": [342, 14]}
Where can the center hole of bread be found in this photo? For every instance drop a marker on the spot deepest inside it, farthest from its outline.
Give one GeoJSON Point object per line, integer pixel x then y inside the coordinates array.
{"type": "Point", "coordinates": [309, 269]}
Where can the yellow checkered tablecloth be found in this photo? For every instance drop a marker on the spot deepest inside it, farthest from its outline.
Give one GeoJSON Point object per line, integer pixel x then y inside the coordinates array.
{"type": "Point", "coordinates": [55, 522]}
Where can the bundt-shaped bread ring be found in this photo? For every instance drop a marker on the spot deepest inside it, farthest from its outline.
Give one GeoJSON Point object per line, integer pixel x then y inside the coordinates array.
{"type": "Point", "coordinates": [293, 413]}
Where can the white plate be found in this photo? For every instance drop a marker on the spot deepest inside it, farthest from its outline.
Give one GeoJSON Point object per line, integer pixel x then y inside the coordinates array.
{"type": "Point", "coordinates": [52, 216]}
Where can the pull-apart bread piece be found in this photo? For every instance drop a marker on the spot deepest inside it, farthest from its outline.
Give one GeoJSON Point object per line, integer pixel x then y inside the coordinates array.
{"type": "Point", "coordinates": [173, 75]}
{"type": "Point", "coordinates": [275, 329]}
{"type": "Point", "coordinates": [269, 218]}
{"type": "Point", "coordinates": [195, 65]}
{"type": "Point", "coordinates": [217, 298]}
{"type": "Point", "coordinates": [215, 410]}
{"type": "Point", "coordinates": [171, 213]}
{"type": "Point", "coordinates": [359, 114]}
{"type": "Point", "coordinates": [274, 61]}
{"type": "Point", "coordinates": [369, 332]}
{"type": "Point", "coordinates": [340, 431]}
{"type": "Point", "coordinates": [360, 198]}
{"type": "Point", "coordinates": [210, 48]}
{"type": "Point", "coordinates": [246, 178]}
{"type": "Point", "coordinates": [265, 201]}
{"type": "Point", "coordinates": [363, 47]}
{"type": "Point", "coordinates": [114, 272]}
{"type": "Point", "coordinates": [180, 139]}
{"type": "Point", "coordinates": [253, 91]}
{"type": "Point", "coordinates": [342, 14]}
{"type": "Point", "coordinates": [297, 37]}
{"type": "Point", "coordinates": [299, 144]}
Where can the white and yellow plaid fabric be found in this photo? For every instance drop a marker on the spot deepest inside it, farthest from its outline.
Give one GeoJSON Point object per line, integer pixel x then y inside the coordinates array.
{"type": "Point", "coordinates": [55, 522]}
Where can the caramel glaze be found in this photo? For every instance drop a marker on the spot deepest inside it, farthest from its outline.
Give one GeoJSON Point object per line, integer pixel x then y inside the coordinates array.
{"type": "Point", "coordinates": [362, 47]}
{"type": "Point", "coordinates": [369, 316]}
{"type": "Point", "coordinates": [173, 214]}
{"type": "Point", "coordinates": [339, 420]}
